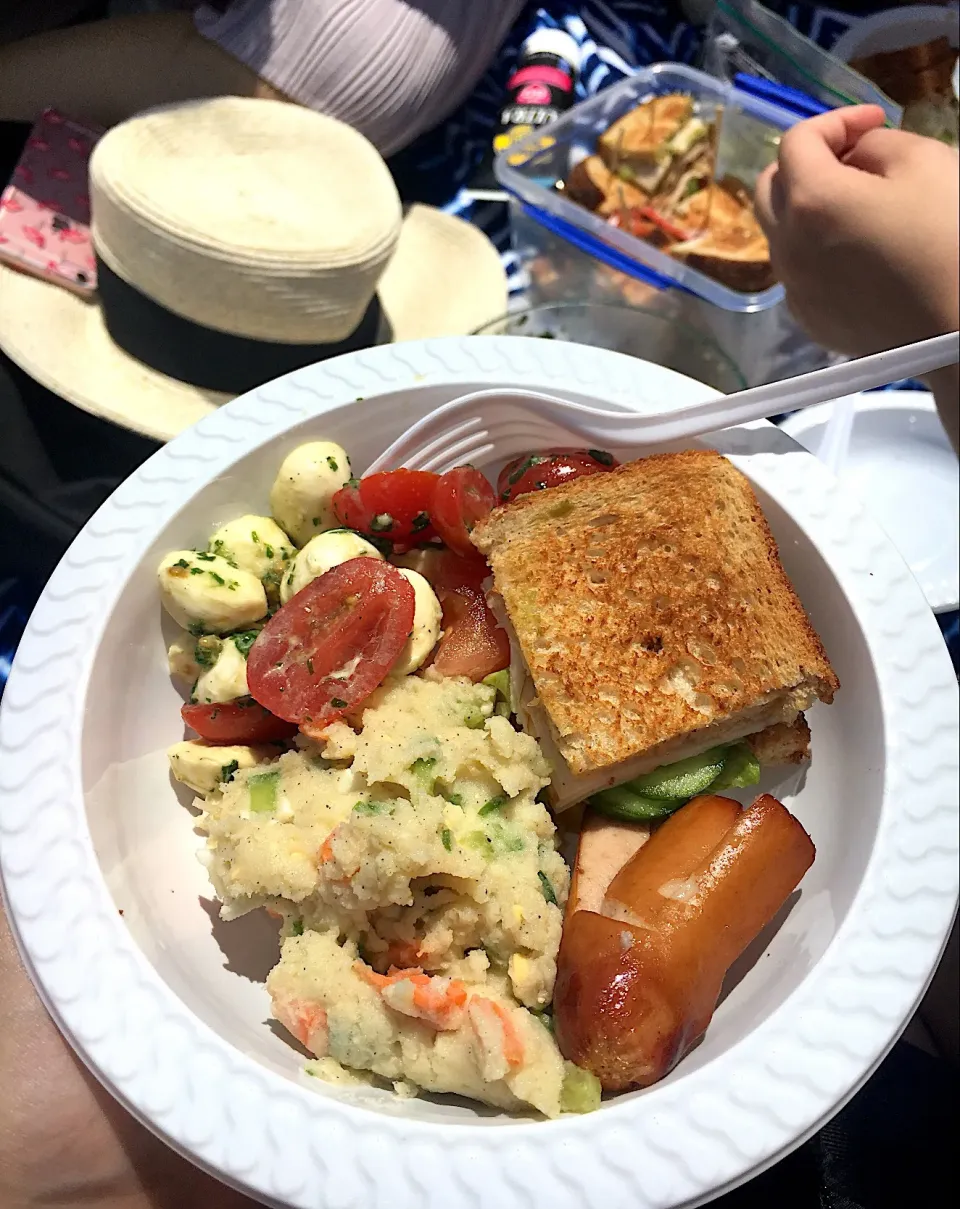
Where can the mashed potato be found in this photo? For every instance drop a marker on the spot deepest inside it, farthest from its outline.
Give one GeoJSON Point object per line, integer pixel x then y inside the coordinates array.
{"type": "Point", "coordinates": [420, 888]}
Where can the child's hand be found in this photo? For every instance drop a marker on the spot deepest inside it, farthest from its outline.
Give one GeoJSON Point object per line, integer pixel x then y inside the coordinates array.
{"type": "Point", "coordinates": [862, 223]}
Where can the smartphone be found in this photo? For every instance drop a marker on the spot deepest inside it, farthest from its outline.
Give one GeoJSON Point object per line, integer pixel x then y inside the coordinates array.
{"type": "Point", "coordinates": [45, 209]}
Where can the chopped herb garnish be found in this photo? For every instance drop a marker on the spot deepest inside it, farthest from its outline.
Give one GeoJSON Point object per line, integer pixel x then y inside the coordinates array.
{"type": "Point", "coordinates": [297, 928]}
{"type": "Point", "coordinates": [196, 570]}
{"type": "Point", "coordinates": [455, 799]}
{"type": "Point", "coordinates": [446, 838]}
{"type": "Point", "coordinates": [382, 523]}
{"type": "Point", "coordinates": [316, 522]}
{"type": "Point", "coordinates": [244, 641]}
{"type": "Point", "coordinates": [207, 558]}
{"type": "Point", "coordinates": [493, 806]}
{"type": "Point", "coordinates": [332, 463]}
{"type": "Point", "coordinates": [182, 563]}
{"type": "Point", "coordinates": [227, 771]}
{"type": "Point", "coordinates": [217, 578]}
{"type": "Point", "coordinates": [353, 482]}
{"type": "Point", "coordinates": [268, 550]}
{"type": "Point", "coordinates": [546, 887]}
{"type": "Point", "coordinates": [338, 703]}
{"type": "Point", "coordinates": [253, 534]}
{"type": "Point", "coordinates": [420, 522]}
{"type": "Point", "coordinates": [601, 456]}
{"type": "Point", "coordinates": [533, 460]}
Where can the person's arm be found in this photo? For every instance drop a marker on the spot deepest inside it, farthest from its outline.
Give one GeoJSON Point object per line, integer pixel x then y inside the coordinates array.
{"type": "Point", "coordinates": [63, 1139]}
{"type": "Point", "coordinates": [863, 230]}
{"type": "Point", "coordinates": [106, 71]}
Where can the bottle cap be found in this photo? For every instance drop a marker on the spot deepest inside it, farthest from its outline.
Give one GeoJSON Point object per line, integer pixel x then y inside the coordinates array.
{"type": "Point", "coordinates": [553, 42]}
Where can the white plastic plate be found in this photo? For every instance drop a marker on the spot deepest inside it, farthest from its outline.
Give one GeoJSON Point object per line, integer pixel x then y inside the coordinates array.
{"type": "Point", "coordinates": [901, 464]}
{"type": "Point", "coordinates": [167, 1004]}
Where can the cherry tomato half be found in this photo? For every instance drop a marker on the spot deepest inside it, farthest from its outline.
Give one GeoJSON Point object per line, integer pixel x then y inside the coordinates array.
{"type": "Point", "coordinates": [535, 471]}
{"type": "Point", "coordinates": [326, 650]}
{"type": "Point", "coordinates": [392, 505]}
{"type": "Point", "coordinates": [241, 721]}
{"type": "Point", "coordinates": [473, 643]}
{"type": "Point", "coordinates": [461, 498]}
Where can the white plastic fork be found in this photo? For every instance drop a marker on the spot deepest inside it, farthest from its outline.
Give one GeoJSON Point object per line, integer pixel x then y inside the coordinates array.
{"type": "Point", "coordinates": [491, 424]}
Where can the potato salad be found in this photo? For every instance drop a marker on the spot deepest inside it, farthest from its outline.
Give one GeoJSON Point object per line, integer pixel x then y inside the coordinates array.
{"type": "Point", "coordinates": [361, 777]}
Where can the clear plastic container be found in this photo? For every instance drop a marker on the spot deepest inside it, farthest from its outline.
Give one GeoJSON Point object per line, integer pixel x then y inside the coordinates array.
{"type": "Point", "coordinates": [529, 171]}
{"type": "Point", "coordinates": [572, 255]}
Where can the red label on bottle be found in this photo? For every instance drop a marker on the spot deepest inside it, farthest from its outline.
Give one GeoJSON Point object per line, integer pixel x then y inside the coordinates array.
{"type": "Point", "coordinates": [534, 94]}
{"type": "Point", "coordinates": [541, 73]}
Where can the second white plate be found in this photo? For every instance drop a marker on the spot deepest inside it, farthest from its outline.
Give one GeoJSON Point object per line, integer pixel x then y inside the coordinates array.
{"type": "Point", "coordinates": [902, 466]}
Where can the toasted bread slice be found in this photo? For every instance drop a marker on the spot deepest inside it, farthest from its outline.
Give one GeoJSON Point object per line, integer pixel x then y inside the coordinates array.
{"type": "Point", "coordinates": [636, 145]}
{"type": "Point", "coordinates": [592, 184]}
{"type": "Point", "coordinates": [719, 207]}
{"type": "Point", "coordinates": [730, 247]}
{"type": "Point", "coordinates": [783, 743]}
{"type": "Point", "coordinates": [653, 616]}
{"type": "Point", "coordinates": [738, 260]}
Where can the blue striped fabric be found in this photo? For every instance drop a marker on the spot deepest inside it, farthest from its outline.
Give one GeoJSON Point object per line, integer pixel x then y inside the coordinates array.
{"type": "Point", "coordinates": [16, 601]}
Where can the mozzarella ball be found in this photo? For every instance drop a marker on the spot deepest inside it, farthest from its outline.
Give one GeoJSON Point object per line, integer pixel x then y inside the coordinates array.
{"type": "Point", "coordinates": [204, 592]}
{"type": "Point", "coordinates": [256, 544]}
{"type": "Point", "coordinates": [308, 479]}
{"type": "Point", "coordinates": [225, 679]}
{"type": "Point", "coordinates": [204, 766]}
{"type": "Point", "coordinates": [320, 554]}
{"type": "Point", "coordinates": [426, 625]}
{"type": "Point", "coordinates": [182, 658]}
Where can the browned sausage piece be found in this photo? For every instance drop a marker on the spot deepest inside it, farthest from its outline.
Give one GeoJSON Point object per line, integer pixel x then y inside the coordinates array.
{"type": "Point", "coordinates": [637, 985]}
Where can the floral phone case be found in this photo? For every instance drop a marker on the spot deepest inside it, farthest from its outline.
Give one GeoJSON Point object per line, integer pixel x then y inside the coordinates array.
{"type": "Point", "coordinates": [45, 209]}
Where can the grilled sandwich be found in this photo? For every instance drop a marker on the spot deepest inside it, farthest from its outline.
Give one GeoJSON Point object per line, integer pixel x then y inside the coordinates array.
{"type": "Point", "coordinates": [730, 246]}
{"type": "Point", "coordinates": [651, 620]}
{"type": "Point", "coordinates": [593, 185]}
{"type": "Point", "coordinates": [652, 140]}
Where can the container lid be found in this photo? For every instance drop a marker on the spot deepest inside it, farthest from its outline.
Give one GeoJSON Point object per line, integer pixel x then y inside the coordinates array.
{"type": "Point", "coordinates": [553, 42]}
{"type": "Point", "coordinates": [789, 99]}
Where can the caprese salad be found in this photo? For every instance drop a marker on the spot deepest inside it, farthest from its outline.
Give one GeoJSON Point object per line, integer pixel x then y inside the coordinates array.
{"type": "Point", "coordinates": [292, 620]}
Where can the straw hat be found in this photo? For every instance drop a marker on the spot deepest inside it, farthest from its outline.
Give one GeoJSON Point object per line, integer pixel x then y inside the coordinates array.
{"type": "Point", "coordinates": [236, 240]}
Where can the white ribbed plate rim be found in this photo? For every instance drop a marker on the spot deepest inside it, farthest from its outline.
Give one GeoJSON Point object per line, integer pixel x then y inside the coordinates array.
{"type": "Point", "coordinates": [683, 1145]}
